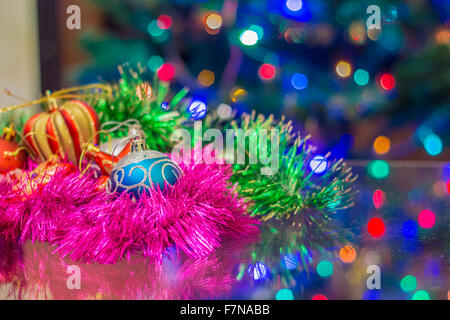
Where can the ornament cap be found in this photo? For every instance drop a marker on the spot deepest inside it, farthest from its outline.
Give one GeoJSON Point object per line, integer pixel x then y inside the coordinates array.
{"type": "Point", "coordinates": [138, 144]}
{"type": "Point", "coordinates": [52, 102]}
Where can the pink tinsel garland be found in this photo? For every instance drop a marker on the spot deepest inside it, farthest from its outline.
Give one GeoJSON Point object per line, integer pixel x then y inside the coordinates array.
{"type": "Point", "coordinates": [90, 225]}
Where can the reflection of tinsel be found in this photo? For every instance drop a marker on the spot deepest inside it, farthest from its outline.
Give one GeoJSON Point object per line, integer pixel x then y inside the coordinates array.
{"type": "Point", "coordinates": [11, 269]}
{"type": "Point", "coordinates": [156, 109]}
{"type": "Point", "coordinates": [44, 275]}
{"type": "Point", "coordinates": [90, 225]}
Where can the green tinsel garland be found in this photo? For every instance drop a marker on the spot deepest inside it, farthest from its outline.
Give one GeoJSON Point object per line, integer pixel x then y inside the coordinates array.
{"type": "Point", "coordinates": [294, 187]}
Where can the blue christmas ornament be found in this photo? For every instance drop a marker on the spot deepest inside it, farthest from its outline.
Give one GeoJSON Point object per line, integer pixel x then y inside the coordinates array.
{"type": "Point", "coordinates": [143, 170]}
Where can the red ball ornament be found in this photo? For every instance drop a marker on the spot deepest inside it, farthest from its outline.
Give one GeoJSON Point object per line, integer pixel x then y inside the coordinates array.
{"type": "Point", "coordinates": [11, 157]}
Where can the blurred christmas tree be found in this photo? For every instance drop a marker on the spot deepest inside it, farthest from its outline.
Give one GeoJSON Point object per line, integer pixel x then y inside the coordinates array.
{"type": "Point", "coordinates": [314, 61]}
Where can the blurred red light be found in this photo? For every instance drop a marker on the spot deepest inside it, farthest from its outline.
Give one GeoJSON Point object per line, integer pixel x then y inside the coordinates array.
{"type": "Point", "coordinates": [166, 72]}
{"type": "Point", "coordinates": [164, 21]}
{"type": "Point", "coordinates": [387, 81]}
{"type": "Point", "coordinates": [376, 227]}
{"type": "Point", "coordinates": [267, 71]}
{"type": "Point", "coordinates": [378, 198]}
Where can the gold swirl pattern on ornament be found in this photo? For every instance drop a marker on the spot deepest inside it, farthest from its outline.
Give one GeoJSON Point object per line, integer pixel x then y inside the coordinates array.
{"type": "Point", "coordinates": [176, 171]}
{"type": "Point", "coordinates": [142, 182]}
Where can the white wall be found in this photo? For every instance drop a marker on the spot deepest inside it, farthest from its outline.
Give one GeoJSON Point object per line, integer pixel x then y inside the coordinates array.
{"type": "Point", "coordinates": [19, 50]}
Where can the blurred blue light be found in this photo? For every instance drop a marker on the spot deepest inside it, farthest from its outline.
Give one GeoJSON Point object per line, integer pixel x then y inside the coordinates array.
{"type": "Point", "coordinates": [446, 172]}
{"type": "Point", "coordinates": [433, 144]}
{"type": "Point", "coordinates": [258, 271]}
{"type": "Point", "coordinates": [409, 229]}
{"type": "Point", "coordinates": [197, 109]}
{"type": "Point", "coordinates": [371, 294]}
{"type": "Point", "coordinates": [290, 261]}
{"type": "Point", "coordinates": [294, 5]}
{"type": "Point", "coordinates": [299, 81]}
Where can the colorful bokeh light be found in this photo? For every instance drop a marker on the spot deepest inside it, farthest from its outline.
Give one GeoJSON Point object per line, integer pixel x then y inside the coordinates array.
{"type": "Point", "coordinates": [166, 72]}
{"type": "Point", "coordinates": [164, 21]}
{"type": "Point", "coordinates": [376, 227]}
{"type": "Point", "coordinates": [294, 5]}
{"type": "Point", "coordinates": [155, 62]}
{"type": "Point", "coordinates": [284, 294]}
{"type": "Point", "coordinates": [378, 198]}
{"type": "Point", "coordinates": [237, 94]}
{"type": "Point", "coordinates": [426, 219]}
{"type": "Point", "coordinates": [382, 145]}
{"type": "Point", "coordinates": [378, 169]}
{"type": "Point", "coordinates": [213, 22]}
{"type": "Point", "coordinates": [440, 188]}
{"type": "Point", "coordinates": [319, 297]}
{"type": "Point", "coordinates": [408, 283]}
{"type": "Point", "coordinates": [343, 69]}
{"type": "Point", "coordinates": [290, 261]}
{"type": "Point", "coordinates": [325, 269]}
{"type": "Point", "coordinates": [357, 32]}
{"type": "Point", "coordinates": [361, 77]}
{"type": "Point", "coordinates": [299, 81]}
{"type": "Point", "coordinates": [409, 229]}
{"type": "Point", "coordinates": [387, 81]}
{"type": "Point", "coordinates": [197, 109]}
{"type": "Point", "coordinates": [432, 144]}
{"type": "Point", "coordinates": [267, 71]}
{"type": "Point", "coordinates": [347, 254]}
{"type": "Point", "coordinates": [206, 78]}
{"type": "Point", "coordinates": [318, 164]}
{"type": "Point", "coordinates": [421, 295]}
{"type": "Point", "coordinates": [248, 37]}
{"type": "Point", "coordinates": [154, 30]}
{"type": "Point", "coordinates": [258, 271]}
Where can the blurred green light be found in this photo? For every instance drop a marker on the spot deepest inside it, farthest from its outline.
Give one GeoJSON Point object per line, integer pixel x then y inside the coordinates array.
{"type": "Point", "coordinates": [284, 294]}
{"type": "Point", "coordinates": [155, 62]}
{"type": "Point", "coordinates": [378, 169]}
{"type": "Point", "coordinates": [408, 283]}
{"type": "Point", "coordinates": [324, 269]}
{"type": "Point", "coordinates": [361, 77]}
{"type": "Point", "coordinates": [421, 295]}
{"type": "Point", "coordinates": [154, 29]}
{"type": "Point", "coordinates": [259, 31]}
